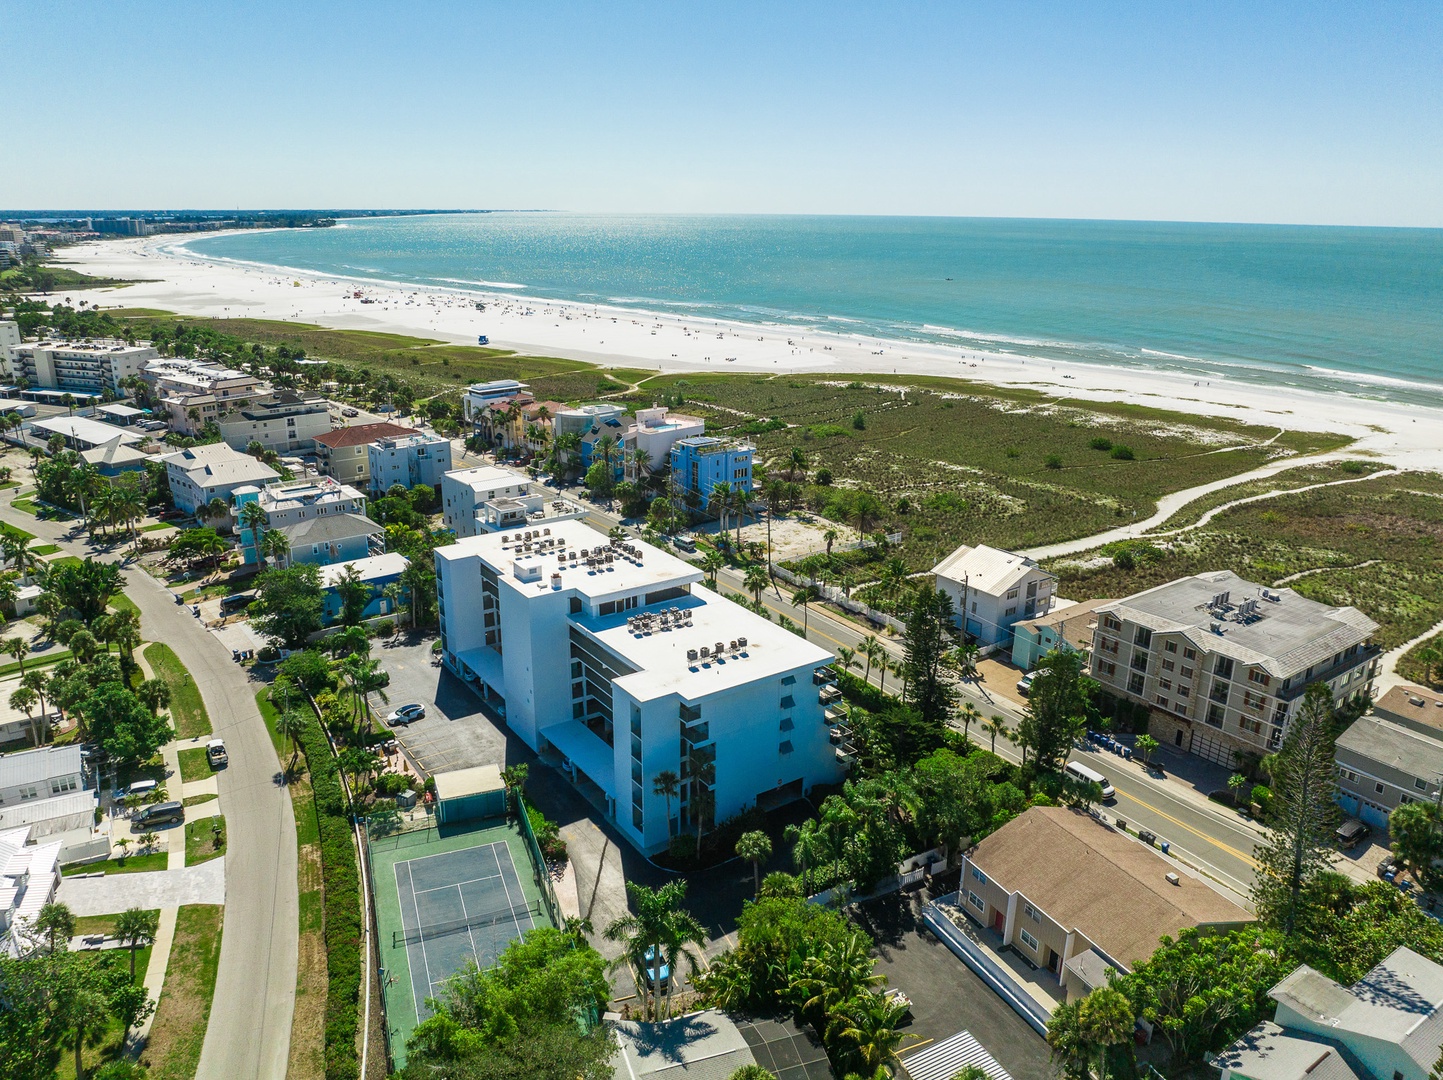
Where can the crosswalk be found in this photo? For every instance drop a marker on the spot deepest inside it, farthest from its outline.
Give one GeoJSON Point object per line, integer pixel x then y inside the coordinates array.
{"type": "Point", "coordinates": [947, 1058]}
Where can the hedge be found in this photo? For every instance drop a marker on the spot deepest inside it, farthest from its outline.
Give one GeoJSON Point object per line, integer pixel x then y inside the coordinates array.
{"type": "Point", "coordinates": [341, 874]}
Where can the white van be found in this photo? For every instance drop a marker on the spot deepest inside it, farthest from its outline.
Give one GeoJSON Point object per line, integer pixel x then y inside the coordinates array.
{"type": "Point", "coordinates": [141, 787]}
{"type": "Point", "coordinates": [1078, 771]}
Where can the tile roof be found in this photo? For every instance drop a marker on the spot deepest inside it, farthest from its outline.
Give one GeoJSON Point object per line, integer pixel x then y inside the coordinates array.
{"type": "Point", "coordinates": [1088, 877]}
{"type": "Point", "coordinates": [361, 434]}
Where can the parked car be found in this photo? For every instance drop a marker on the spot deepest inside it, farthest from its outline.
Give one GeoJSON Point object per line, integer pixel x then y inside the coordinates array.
{"type": "Point", "coordinates": [349, 412]}
{"type": "Point", "coordinates": [1024, 684]}
{"type": "Point", "coordinates": [1350, 834]}
{"type": "Point", "coordinates": [407, 714]}
{"type": "Point", "coordinates": [164, 813]}
{"type": "Point", "coordinates": [648, 974]}
{"type": "Point", "coordinates": [1388, 866]}
{"type": "Point", "coordinates": [215, 753]}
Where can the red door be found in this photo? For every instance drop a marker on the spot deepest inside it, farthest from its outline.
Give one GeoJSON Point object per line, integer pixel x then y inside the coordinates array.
{"type": "Point", "coordinates": [999, 922]}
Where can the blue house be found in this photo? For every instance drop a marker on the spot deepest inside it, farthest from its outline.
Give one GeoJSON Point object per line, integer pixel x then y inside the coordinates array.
{"type": "Point", "coordinates": [701, 462]}
{"type": "Point", "coordinates": [377, 572]}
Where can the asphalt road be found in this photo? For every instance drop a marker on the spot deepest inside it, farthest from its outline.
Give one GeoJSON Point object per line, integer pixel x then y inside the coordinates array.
{"type": "Point", "coordinates": [249, 1033]}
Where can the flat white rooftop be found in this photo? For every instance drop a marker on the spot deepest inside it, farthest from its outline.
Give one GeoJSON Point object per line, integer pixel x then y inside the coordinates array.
{"type": "Point", "coordinates": [487, 477]}
{"type": "Point", "coordinates": [541, 558]}
{"type": "Point", "coordinates": [751, 647]}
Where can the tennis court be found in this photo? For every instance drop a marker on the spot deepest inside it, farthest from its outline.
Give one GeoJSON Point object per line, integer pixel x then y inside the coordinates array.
{"type": "Point", "coordinates": [456, 907]}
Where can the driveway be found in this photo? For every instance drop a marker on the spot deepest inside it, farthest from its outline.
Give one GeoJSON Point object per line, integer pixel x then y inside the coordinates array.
{"type": "Point", "coordinates": [946, 996]}
{"type": "Point", "coordinates": [203, 884]}
{"type": "Point", "coordinates": [456, 732]}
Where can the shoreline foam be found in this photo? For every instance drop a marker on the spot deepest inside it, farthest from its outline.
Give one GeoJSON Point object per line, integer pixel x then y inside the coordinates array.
{"type": "Point", "coordinates": [1411, 434]}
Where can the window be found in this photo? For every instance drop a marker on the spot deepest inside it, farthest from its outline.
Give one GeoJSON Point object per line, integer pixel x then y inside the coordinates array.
{"type": "Point", "coordinates": [1010, 611]}
{"type": "Point", "coordinates": [978, 875]}
{"type": "Point", "coordinates": [63, 783]}
{"type": "Point", "coordinates": [1186, 672]}
{"type": "Point", "coordinates": [1029, 941]}
{"type": "Point", "coordinates": [1031, 912]}
{"type": "Point", "coordinates": [1183, 690]}
{"type": "Point", "coordinates": [1378, 788]}
{"type": "Point", "coordinates": [1134, 684]}
{"type": "Point", "coordinates": [976, 901]}
{"type": "Point", "coordinates": [1111, 622]}
{"type": "Point", "coordinates": [1012, 594]}
{"type": "Point", "coordinates": [1223, 667]}
{"type": "Point", "coordinates": [1347, 774]}
{"type": "Point", "coordinates": [30, 792]}
{"type": "Point", "coordinates": [1163, 701]}
{"type": "Point", "coordinates": [974, 607]}
{"type": "Point", "coordinates": [1170, 646]}
{"type": "Point", "coordinates": [1189, 654]}
{"type": "Point", "coordinates": [1107, 667]}
{"type": "Point", "coordinates": [1215, 715]}
{"type": "Point", "coordinates": [1168, 665]}
{"type": "Point", "coordinates": [1143, 637]}
{"type": "Point", "coordinates": [1420, 784]}
{"type": "Point", "coordinates": [1259, 676]}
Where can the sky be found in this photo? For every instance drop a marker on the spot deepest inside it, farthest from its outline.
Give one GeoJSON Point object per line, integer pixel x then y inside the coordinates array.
{"type": "Point", "coordinates": [1325, 113]}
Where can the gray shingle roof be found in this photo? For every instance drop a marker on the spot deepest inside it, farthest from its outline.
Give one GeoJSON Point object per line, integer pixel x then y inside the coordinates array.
{"type": "Point", "coordinates": [1285, 634]}
{"type": "Point", "coordinates": [328, 527]}
{"type": "Point", "coordinates": [1395, 746]}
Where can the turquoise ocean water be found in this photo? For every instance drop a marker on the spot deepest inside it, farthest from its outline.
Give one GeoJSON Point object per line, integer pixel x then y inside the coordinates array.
{"type": "Point", "coordinates": [1342, 309]}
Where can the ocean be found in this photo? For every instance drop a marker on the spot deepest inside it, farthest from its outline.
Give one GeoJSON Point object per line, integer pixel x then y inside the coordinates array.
{"type": "Point", "coordinates": [1356, 310]}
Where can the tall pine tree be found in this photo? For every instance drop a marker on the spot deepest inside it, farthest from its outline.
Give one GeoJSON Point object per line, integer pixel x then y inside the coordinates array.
{"type": "Point", "coordinates": [1297, 848]}
{"type": "Point", "coordinates": [928, 642]}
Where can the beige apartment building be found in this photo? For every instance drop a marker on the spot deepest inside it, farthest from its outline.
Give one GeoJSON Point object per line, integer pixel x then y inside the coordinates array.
{"type": "Point", "coordinates": [1222, 663]}
{"type": "Point", "coordinates": [1076, 897]}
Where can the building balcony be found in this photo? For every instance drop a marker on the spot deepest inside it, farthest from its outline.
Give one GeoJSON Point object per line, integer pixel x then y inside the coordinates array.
{"type": "Point", "coordinates": [829, 694]}
{"type": "Point", "coordinates": [832, 714]}
{"type": "Point", "coordinates": [823, 676]}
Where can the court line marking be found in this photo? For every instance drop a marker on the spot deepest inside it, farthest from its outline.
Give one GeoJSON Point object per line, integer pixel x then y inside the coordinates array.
{"type": "Point", "coordinates": [507, 887]}
{"type": "Point", "coordinates": [425, 960]}
{"type": "Point", "coordinates": [470, 934]}
{"type": "Point", "coordinates": [458, 884]}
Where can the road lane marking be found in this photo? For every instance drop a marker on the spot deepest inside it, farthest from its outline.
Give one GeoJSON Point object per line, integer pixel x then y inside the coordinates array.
{"type": "Point", "coordinates": [1248, 859]}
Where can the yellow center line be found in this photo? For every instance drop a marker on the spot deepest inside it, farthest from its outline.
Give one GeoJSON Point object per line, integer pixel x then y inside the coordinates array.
{"type": "Point", "coordinates": [1200, 835]}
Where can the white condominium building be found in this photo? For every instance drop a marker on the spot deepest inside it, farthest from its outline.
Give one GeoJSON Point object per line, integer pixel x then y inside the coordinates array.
{"type": "Point", "coordinates": [489, 499]}
{"type": "Point", "coordinates": [206, 389]}
{"type": "Point", "coordinates": [654, 433]}
{"type": "Point", "coordinates": [1223, 663]}
{"type": "Point", "coordinates": [88, 367]}
{"type": "Point", "coordinates": [613, 659]}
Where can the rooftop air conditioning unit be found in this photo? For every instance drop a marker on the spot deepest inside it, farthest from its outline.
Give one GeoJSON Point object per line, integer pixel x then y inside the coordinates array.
{"type": "Point", "coordinates": [719, 647]}
{"type": "Point", "coordinates": [1216, 628]}
{"type": "Point", "coordinates": [691, 654]}
{"type": "Point", "coordinates": [731, 646]}
{"type": "Point", "coordinates": [1173, 879]}
{"type": "Point", "coordinates": [741, 643]}
{"type": "Point", "coordinates": [705, 652]}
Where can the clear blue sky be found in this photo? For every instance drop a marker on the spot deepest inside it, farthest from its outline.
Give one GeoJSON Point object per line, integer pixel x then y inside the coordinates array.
{"type": "Point", "coordinates": [1328, 112]}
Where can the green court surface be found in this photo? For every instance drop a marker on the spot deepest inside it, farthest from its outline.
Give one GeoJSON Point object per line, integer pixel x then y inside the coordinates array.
{"type": "Point", "coordinates": [444, 898]}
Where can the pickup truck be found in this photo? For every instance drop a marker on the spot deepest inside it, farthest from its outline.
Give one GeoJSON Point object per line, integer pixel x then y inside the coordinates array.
{"type": "Point", "coordinates": [215, 753]}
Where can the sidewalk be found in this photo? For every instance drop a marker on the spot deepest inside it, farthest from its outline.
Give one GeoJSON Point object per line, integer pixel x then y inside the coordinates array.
{"type": "Point", "coordinates": [155, 972]}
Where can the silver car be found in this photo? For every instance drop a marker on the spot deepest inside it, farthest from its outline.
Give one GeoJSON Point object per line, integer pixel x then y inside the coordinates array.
{"type": "Point", "coordinates": [407, 714]}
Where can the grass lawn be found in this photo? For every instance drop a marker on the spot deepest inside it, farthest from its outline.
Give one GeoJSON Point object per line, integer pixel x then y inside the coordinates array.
{"type": "Point", "coordinates": [173, 1051]}
{"type": "Point", "coordinates": [6, 529]}
{"type": "Point", "coordinates": [156, 526]}
{"type": "Point", "coordinates": [45, 549]}
{"type": "Point", "coordinates": [196, 800]}
{"type": "Point", "coordinates": [121, 602]}
{"type": "Point", "coordinates": [187, 708]}
{"type": "Point", "coordinates": [25, 506]}
{"type": "Point", "coordinates": [308, 1024]}
{"type": "Point", "coordinates": [67, 560]}
{"type": "Point", "coordinates": [200, 840]}
{"type": "Point", "coordinates": [49, 656]}
{"type": "Point", "coordinates": [193, 765]}
{"type": "Point", "coordinates": [131, 864]}
{"type": "Point", "coordinates": [1393, 524]}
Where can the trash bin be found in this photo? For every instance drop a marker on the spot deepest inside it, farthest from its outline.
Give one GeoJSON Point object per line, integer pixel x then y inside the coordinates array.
{"type": "Point", "coordinates": [1166, 846]}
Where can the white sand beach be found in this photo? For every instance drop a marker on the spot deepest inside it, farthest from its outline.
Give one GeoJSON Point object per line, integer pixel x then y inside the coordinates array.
{"type": "Point", "coordinates": [1410, 436]}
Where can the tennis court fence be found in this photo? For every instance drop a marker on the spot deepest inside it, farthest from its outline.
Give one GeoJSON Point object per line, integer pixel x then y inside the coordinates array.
{"type": "Point", "coordinates": [458, 926]}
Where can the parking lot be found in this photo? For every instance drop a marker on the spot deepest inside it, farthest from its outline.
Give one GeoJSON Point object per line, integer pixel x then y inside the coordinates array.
{"type": "Point", "coordinates": [455, 733]}
{"type": "Point", "coordinates": [946, 996]}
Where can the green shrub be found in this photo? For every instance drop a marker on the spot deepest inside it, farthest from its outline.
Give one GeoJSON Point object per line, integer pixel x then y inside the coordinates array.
{"type": "Point", "coordinates": [1122, 453]}
{"type": "Point", "coordinates": [1101, 442]}
{"type": "Point", "coordinates": [823, 477]}
{"type": "Point", "coordinates": [341, 876]}
{"type": "Point", "coordinates": [1053, 461]}
{"type": "Point", "coordinates": [859, 420]}
{"type": "Point", "coordinates": [1353, 467]}
{"type": "Point", "coordinates": [682, 848]}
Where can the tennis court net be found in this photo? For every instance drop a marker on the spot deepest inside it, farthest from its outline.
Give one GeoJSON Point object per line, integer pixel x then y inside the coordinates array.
{"type": "Point", "coordinates": [431, 931]}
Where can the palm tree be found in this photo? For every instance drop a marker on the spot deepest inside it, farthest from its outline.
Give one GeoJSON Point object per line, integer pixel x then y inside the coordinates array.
{"type": "Point", "coordinates": [667, 784]}
{"type": "Point", "coordinates": [136, 927]}
{"type": "Point", "coordinates": [899, 669]}
{"type": "Point", "coordinates": [830, 537]}
{"type": "Point", "coordinates": [796, 463]}
{"type": "Point", "coordinates": [1105, 1019]}
{"type": "Point", "coordinates": [87, 1012]}
{"type": "Point", "coordinates": [970, 715]}
{"type": "Point", "coordinates": [964, 658]}
{"type": "Point", "coordinates": [869, 1022]}
{"type": "Point", "coordinates": [647, 933]}
{"type": "Point", "coordinates": [721, 502]}
{"type": "Point", "coordinates": [23, 699]}
{"type": "Point", "coordinates": [711, 562]}
{"type": "Point", "coordinates": [847, 657]}
{"type": "Point", "coordinates": [254, 518]}
{"type": "Point", "coordinates": [756, 580]}
{"type": "Point", "coordinates": [756, 848]}
{"type": "Point", "coordinates": [873, 651]}
{"type": "Point", "coordinates": [842, 971]}
{"type": "Point", "coordinates": [995, 727]}
{"type": "Point", "coordinates": [18, 648]}
{"type": "Point", "coordinates": [35, 679]}
{"type": "Point", "coordinates": [276, 546]}
{"type": "Point", "coordinates": [752, 1072]}
{"type": "Point", "coordinates": [291, 725]}
{"type": "Point", "coordinates": [803, 597]}
{"type": "Point", "coordinates": [56, 922]}
{"type": "Point", "coordinates": [127, 503]}
{"type": "Point", "coordinates": [124, 632]}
